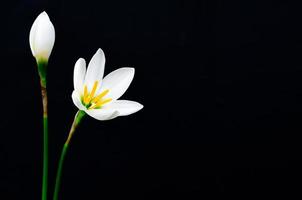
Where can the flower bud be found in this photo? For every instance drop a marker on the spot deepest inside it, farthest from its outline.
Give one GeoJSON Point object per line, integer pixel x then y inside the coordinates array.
{"type": "Point", "coordinates": [42, 37]}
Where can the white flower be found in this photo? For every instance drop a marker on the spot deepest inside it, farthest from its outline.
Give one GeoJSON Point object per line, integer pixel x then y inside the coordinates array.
{"type": "Point", "coordinates": [97, 96]}
{"type": "Point", "coordinates": [42, 37]}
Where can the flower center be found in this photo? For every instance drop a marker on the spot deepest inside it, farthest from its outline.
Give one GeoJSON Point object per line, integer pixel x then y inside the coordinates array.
{"type": "Point", "coordinates": [92, 101]}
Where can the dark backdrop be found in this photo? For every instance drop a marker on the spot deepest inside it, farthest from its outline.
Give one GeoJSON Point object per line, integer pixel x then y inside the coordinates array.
{"type": "Point", "coordinates": [220, 82]}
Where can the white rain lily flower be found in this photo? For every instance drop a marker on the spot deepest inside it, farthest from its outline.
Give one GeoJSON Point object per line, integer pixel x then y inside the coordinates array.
{"type": "Point", "coordinates": [42, 37]}
{"type": "Point", "coordinates": [98, 97]}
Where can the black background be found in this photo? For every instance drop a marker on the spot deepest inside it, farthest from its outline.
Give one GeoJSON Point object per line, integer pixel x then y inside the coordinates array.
{"type": "Point", "coordinates": [220, 82]}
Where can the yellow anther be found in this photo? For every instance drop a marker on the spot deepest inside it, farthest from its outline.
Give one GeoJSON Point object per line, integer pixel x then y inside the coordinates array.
{"type": "Point", "coordinates": [85, 91]}
{"type": "Point", "coordinates": [97, 98]}
{"type": "Point", "coordinates": [95, 85]}
{"type": "Point", "coordinates": [105, 101]}
{"type": "Point", "coordinates": [85, 94]}
{"type": "Point", "coordinates": [100, 103]}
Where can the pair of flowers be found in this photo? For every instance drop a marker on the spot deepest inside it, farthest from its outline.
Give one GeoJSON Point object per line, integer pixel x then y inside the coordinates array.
{"type": "Point", "coordinates": [93, 95]}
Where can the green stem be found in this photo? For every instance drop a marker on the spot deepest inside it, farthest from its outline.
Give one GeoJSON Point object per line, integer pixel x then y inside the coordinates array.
{"type": "Point", "coordinates": [75, 124]}
{"type": "Point", "coordinates": [59, 172]}
{"type": "Point", "coordinates": [42, 66]}
{"type": "Point", "coordinates": [45, 144]}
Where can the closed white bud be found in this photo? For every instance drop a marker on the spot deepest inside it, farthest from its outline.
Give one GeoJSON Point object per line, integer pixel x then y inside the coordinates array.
{"type": "Point", "coordinates": [42, 37]}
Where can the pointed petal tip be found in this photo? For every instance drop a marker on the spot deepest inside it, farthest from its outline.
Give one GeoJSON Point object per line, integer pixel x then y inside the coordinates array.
{"type": "Point", "coordinates": [44, 15]}
{"type": "Point", "coordinates": [82, 60]}
{"type": "Point", "coordinates": [130, 69]}
{"type": "Point", "coordinates": [100, 51]}
{"type": "Point", "coordinates": [139, 106]}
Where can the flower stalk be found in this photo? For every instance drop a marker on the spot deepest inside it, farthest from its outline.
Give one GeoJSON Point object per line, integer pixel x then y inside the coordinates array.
{"type": "Point", "coordinates": [42, 69]}
{"type": "Point", "coordinates": [42, 65]}
{"type": "Point", "coordinates": [45, 145]}
{"type": "Point", "coordinates": [77, 119]}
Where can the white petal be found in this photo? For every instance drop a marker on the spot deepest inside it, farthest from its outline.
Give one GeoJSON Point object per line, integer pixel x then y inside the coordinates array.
{"type": "Point", "coordinates": [42, 37]}
{"type": "Point", "coordinates": [117, 82]}
{"type": "Point", "coordinates": [76, 100]}
{"type": "Point", "coordinates": [32, 34]}
{"type": "Point", "coordinates": [124, 107]}
{"type": "Point", "coordinates": [101, 114]}
{"type": "Point", "coordinates": [79, 75]}
{"type": "Point", "coordinates": [95, 69]}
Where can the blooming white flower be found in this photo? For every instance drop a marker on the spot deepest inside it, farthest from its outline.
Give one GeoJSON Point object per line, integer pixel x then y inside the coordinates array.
{"type": "Point", "coordinates": [42, 37]}
{"type": "Point", "coordinates": [97, 96]}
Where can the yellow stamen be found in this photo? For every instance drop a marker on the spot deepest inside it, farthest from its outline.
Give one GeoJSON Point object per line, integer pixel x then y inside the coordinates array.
{"type": "Point", "coordinates": [94, 89]}
{"type": "Point", "coordinates": [92, 102]}
{"type": "Point", "coordinates": [100, 103]}
{"type": "Point", "coordinates": [85, 91]}
{"type": "Point", "coordinates": [97, 98]}
{"type": "Point", "coordinates": [104, 101]}
{"type": "Point", "coordinates": [85, 94]}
